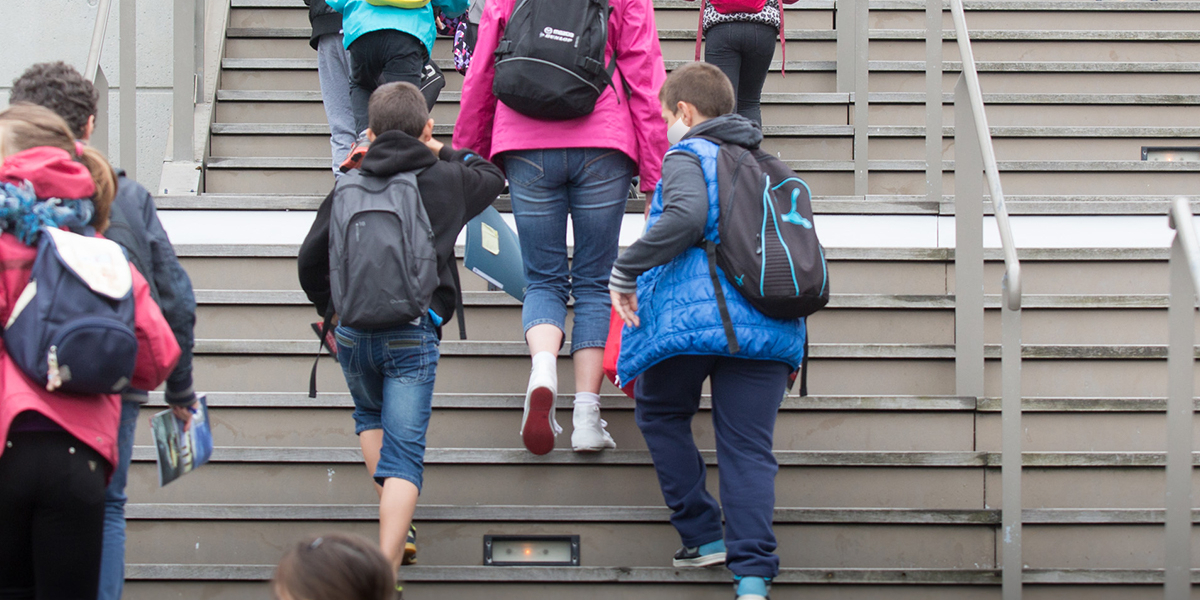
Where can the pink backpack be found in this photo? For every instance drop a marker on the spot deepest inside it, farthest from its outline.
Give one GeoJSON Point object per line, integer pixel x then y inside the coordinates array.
{"type": "Point", "coordinates": [743, 6]}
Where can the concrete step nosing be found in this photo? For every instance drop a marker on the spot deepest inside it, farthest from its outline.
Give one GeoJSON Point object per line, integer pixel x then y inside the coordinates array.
{"type": "Point", "coordinates": [832, 254]}
{"type": "Point", "coordinates": [785, 458]}
{"type": "Point", "coordinates": [636, 514]}
{"type": "Point", "coordinates": [661, 575]}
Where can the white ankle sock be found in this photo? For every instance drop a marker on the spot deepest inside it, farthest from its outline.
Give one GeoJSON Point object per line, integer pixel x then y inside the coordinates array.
{"type": "Point", "coordinates": [544, 360]}
{"type": "Point", "coordinates": [587, 399]}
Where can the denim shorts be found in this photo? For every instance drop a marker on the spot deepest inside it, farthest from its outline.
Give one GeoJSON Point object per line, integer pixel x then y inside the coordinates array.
{"type": "Point", "coordinates": [390, 373]}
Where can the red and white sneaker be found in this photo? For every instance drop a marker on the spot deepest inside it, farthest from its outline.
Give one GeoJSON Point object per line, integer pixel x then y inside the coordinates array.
{"type": "Point", "coordinates": [538, 426]}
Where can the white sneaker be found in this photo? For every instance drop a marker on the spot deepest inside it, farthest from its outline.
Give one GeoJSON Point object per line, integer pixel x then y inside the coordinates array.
{"type": "Point", "coordinates": [538, 426]}
{"type": "Point", "coordinates": [589, 434]}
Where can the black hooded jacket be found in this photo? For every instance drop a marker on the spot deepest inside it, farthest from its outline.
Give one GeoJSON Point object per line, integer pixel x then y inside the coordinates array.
{"type": "Point", "coordinates": [324, 20]}
{"type": "Point", "coordinates": [455, 187]}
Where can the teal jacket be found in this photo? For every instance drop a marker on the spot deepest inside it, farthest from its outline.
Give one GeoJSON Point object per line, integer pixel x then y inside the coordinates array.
{"type": "Point", "coordinates": [677, 303]}
{"type": "Point", "coordinates": [359, 17]}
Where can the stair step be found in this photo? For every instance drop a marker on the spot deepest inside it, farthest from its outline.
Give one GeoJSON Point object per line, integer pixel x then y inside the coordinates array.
{"type": "Point", "coordinates": [858, 301]}
{"type": "Point", "coordinates": [288, 64]}
{"type": "Point", "coordinates": [1031, 166]}
{"type": "Point", "coordinates": [833, 254]}
{"type": "Point", "coordinates": [789, 404]}
{"type": "Point", "coordinates": [817, 350]}
{"type": "Point", "coordinates": [980, 35]}
{"type": "Point", "coordinates": [880, 204]}
{"type": "Point", "coordinates": [792, 458]}
{"type": "Point", "coordinates": [615, 514]}
{"type": "Point", "coordinates": [893, 5]}
{"type": "Point", "coordinates": [806, 98]}
{"type": "Point", "coordinates": [633, 514]}
{"type": "Point", "coordinates": [322, 129]}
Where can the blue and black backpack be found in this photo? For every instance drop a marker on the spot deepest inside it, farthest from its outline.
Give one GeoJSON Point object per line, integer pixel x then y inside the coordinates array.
{"type": "Point", "coordinates": [769, 248]}
{"type": "Point", "coordinates": [72, 328]}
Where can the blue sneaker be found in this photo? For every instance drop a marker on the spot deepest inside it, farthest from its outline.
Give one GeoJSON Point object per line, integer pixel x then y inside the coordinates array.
{"type": "Point", "coordinates": [704, 555]}
{"type": "Point", "coordinates": [752, 588]}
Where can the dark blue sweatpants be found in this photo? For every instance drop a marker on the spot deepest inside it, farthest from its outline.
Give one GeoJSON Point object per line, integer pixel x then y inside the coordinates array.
{"type": "Point", "coordinates": [746, 397]}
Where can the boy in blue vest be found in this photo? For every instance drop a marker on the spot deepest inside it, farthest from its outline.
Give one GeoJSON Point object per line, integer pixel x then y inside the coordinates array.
{"type": "Point", "coordinates": [674, 339]}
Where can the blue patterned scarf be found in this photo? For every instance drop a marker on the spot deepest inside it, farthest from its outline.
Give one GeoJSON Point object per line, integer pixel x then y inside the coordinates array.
{"type": "Point", "coordinates": [23, 215]}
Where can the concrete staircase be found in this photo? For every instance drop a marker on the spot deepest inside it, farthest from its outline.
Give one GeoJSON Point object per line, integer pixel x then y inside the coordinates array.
{"type": "Point", "coordinates": [888, 481]}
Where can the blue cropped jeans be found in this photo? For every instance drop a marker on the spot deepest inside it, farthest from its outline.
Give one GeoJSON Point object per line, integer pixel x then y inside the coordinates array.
{"type": "Point", "coordinates": [390, 373]}
{"type": "Point", "coordinates": [591, 185]}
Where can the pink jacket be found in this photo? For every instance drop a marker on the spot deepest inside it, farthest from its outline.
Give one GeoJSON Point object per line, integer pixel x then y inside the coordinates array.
{"type": "Point", "coordinates": [633, 126]}
{"type": "Point", "coordinates": [91, 419]}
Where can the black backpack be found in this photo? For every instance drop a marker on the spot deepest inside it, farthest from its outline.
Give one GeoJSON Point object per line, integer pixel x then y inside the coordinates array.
{"type": "Point", "coordinates": [769, 248]}
{"type": "Point", "coordinates": [550, 61]}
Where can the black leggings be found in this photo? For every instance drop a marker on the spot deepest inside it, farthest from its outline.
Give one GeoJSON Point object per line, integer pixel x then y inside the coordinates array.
{"type": "Point", "coordinates": [51, 517]}
{"type": "Point", "coordinates": [743, 51]}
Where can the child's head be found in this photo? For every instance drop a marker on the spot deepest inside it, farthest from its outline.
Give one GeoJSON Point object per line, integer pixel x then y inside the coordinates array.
{"type": "Point", "coordinates": [399, 106]}
{"type": "Point", "coordinates": [25, 126]}
{"type": "Point", "coordinates": [694, 93]}
{"type": "Point", "coordinates": [335, 566]}
{"type": "Point", "coordinates": [62, 89]}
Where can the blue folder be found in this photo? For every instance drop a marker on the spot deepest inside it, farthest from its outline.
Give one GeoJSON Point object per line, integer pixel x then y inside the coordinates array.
{"type": "Point", "coordinates": [494, 254]}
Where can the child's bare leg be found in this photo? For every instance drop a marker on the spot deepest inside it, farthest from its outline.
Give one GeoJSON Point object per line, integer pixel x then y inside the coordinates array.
{"type": "Point", "coordinates": [397, 503]}
{"type": "Point", "coordinates": [371, 442]}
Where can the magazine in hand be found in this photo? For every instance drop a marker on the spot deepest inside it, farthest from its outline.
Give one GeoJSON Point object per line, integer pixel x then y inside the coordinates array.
{"type": "Point", "coordinates": [181, 452]}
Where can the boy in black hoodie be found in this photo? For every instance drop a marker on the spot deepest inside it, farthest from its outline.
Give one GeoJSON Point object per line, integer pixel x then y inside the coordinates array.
{"type": "Point", "coordinates": [391, 371]}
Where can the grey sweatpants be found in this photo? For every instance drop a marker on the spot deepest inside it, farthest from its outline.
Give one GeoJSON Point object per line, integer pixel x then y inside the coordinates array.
{"type": "Point", "coordinates": [333, 68]}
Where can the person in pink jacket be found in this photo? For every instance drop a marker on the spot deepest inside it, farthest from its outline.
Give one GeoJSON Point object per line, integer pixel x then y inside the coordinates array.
{"type": "Point", "coordinates": [58, 449]}
{"type": "Point", "coordinates": [580, 168]}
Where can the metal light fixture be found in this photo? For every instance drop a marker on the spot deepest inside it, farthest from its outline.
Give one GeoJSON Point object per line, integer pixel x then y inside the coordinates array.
{"type": "Point", "coordinates": [531, 550]}
{"type": "Point", "coordinates": [1171, 153]}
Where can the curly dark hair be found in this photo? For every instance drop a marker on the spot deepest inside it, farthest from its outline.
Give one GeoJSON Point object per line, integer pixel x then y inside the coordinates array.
{"type": "Point", "coordinates": [59, 87]}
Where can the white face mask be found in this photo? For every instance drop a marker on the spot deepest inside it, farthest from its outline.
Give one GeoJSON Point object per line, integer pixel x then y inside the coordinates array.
{"type": "Point", "coordinates": [677, 131]}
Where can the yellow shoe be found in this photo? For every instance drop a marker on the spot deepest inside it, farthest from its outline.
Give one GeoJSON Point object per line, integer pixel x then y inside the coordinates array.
{"type": "Point", "coordinates": [410, 547]}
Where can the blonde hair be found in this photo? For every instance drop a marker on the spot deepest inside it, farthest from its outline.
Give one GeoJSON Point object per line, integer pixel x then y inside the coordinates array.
{"type": "Point", "coordinates": [24, 126]}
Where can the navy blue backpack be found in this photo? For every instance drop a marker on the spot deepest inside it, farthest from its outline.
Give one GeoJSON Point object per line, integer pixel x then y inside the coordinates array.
{"type": "Point", "coordinates": [72, 328]}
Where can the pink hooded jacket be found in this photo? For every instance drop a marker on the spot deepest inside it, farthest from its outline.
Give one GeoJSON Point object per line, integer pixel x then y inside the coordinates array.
{"type": "Point", "coordinates": [92, 419]}
{"type": "Point", "coordinates": [634, 125]}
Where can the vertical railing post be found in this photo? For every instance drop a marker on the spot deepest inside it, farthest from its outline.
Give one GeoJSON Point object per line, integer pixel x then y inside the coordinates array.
{"type": "Point", "coordinates": [198, 8]}
{"type": "Point", "coordinates": [99, 139]}
{"type": "Point", "coordinates": [184, 81]}
{"type": "Point", "coordinates": [844, 13]}
{"type": "Point", "coordinates": [862, 100]}
{"type": "Point", "coordinates": [93, 72]}
{"type": "Point", "coordinates": [128, 83]}
{"type": "Point", "coordinates": [1010, 446]}
{"type": "Point", "coordinates": [1180, 390]}
{"type": "Point", "coordinates": [968, 248]}
{"type": "Point", "coordinates": [933, 101]}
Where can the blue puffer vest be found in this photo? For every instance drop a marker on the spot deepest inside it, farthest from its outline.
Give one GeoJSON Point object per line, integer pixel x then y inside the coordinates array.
{"type": "Point", "coordinates": [677, 303]}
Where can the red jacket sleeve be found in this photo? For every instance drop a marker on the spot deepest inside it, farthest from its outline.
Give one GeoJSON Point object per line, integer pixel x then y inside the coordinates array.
{"type": "Point", "coordinates": [640, 62]}
{"type": "Point", "coordinates": [477, 111]}
{"type": "Point", "coordinates": [158, 350]}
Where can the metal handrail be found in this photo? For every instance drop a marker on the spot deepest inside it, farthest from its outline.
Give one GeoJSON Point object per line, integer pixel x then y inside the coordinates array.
{"type": "Point", "coordinates": [1185, 230]}
{"type": "Point", "coordinates": [974, 152]}
{"type": "Point", "coordinates": [1181, 364]}
{"type": "Point", "coordinates": [93, 59]}
{"type": "Point", "coordinates": [1012, 266]}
